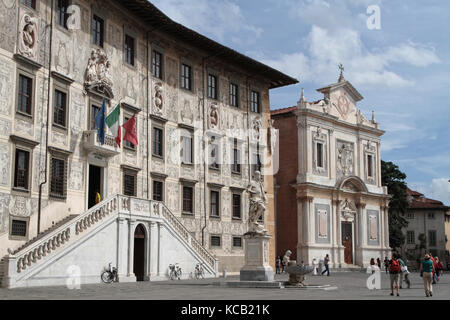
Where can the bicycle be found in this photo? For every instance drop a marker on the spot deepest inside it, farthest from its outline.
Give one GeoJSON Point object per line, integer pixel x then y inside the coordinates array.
{"type": "Point", "coordinates": [110, 274]}
{"type": "Point", "coordinates": [199, 272]}
{"type": "Point", "coordinates": [175, 271]}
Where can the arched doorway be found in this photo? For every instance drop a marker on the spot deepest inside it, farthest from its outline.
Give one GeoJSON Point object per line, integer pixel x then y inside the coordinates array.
{"type": "Point", "coordinates": [139, 253]}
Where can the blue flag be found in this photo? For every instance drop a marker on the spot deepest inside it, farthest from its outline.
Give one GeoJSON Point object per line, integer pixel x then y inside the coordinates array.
{"type": "Point", "coordinates": [100, 122]}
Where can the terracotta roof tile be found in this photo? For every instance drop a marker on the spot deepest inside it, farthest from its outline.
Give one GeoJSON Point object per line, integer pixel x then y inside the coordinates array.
{"type": "Point", "coordinates": [283, 110]}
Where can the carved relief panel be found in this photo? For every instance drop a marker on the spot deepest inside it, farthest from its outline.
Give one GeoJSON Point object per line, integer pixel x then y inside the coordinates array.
{"type": "Point", "coordinates": [373, 227]}
{"type": "Point", "coordinates": [345, 164]}
{"type": "Point", "coordinates": [322, 217]}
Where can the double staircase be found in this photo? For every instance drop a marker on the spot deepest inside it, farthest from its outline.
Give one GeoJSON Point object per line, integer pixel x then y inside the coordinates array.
{"type": "Point", "coordinates": [38, 261]}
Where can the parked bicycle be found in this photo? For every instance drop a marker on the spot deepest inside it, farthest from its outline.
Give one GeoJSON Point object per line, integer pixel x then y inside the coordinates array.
{"type": "Point", "coordinates": [110, 274]}
{"type": "Point", "coordinates": [175, 271]}
{"type": "Point", "coordinates": [199, 272]}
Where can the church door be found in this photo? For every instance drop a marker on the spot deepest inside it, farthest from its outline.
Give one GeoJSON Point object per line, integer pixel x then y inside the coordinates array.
{"type": "Point", "coordinates": [347, 242]}
{"type": "Point", "coordinates": [139, 253]}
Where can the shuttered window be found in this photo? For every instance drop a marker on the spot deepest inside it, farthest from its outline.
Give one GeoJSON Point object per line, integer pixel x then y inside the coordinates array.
{"type": "Point", "coordinates": [157, 190]}
{"type": "Point", "coordinates": [19, 228]}
{"type": "Point", "coordinates": [98, 31]}
{"type": "Point", "coordinates": [58, 177]}
{"type": "Point", "coordinates": [25, 94]}
{"type": "Point", "coordinates": [157, 64]}
{"type": "Point", "coordinates": [157, 144]}
{"type": "Point", "coordinates": [236, 206]}
{"type": "Point", "coordinates": [214, 204]}
{"type": "Point", "coordinates": [59, 111]}
{"type": "Point", "coordinates": [129, 183]}
{"type": "Point", "coordinates": [216, 241]}
{"type": "Point", "coordinates": [188, 193]}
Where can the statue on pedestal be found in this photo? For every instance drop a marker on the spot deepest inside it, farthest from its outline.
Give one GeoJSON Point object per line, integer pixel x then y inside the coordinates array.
{"type": "Point", "coordinates": [257, 208]}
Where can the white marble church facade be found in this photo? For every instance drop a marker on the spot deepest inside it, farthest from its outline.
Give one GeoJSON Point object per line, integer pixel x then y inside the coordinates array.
{"type": "Point", "coordinates": [341, 206]}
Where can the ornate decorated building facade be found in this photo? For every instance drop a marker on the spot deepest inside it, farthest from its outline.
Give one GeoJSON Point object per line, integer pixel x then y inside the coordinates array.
{"type": "Point", "coordinates": [201, 113]}
{"type": "Point", "coordinates": [329, 197]}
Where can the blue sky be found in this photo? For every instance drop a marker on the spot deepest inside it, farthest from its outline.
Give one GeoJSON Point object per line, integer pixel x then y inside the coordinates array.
{"type": "Point", "coordinates": [402, 70]}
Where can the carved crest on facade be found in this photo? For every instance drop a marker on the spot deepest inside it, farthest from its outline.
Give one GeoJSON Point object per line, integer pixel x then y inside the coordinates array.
{"type": "Point", "coordinates": [345, 158]}
{"type": "Point", "coordinates": [98, 76]}
{"type": "Point", "coordinates": [343, 105]}
{"type": "Point", "coordinates": [28, 36]}
{"type": "Point", "coordinates": [348, 210]}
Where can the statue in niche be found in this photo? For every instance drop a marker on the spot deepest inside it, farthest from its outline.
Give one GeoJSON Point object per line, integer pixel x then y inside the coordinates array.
{"type": "Point", "coordinates": [158, 98]}
{"type": "Point", "coordinates": [257, 207]}
{"type": "Point", "coordinates": [213, 117]}
{"type": "Point", "coordinates": [28, 36]}
{"type": "Point", "coordinates": [256, 128]}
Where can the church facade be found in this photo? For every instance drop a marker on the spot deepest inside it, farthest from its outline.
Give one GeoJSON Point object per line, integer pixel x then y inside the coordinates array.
{"type": "Point", "coordinates": [329, 197]}
{"type": "Point", "coordinates": [201, 115]}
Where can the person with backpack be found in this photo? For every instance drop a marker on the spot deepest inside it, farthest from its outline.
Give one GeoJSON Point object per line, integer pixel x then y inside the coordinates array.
{"type": "Point", "coordinates": [426, 272]}
{"type": "Point", "coordinates": [395, 270]}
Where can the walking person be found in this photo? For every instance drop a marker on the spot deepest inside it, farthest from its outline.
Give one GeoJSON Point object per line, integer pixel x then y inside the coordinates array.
{"type": "Point", "coordinates": [434, 269]}
{"type": "Point", "coordinates": [426, 272]}
{"type": "Point", "coordinates": [403, 266]}
{"type": "Point", "coordinates": [326, 262]}
{"type": "Point", "coordinates": [386, 264]}
{"type": "Point", "coordinates": [394, 273]}
{"type": "Point", "coordinates": [372, 265]}
{"type": "Point", "coordinates": [278, 265]}
{"type": "Point", "coordinates": [379, 263]}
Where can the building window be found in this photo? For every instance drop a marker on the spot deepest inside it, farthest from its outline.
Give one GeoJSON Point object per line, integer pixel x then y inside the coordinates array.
{"type": "Point", "coordinates": [432, 238]}
{"type": "Point", "coordinates": [186, 149]}
{"type": "Point", "coordinates": [236, 206]}
{"type": "Point", "coordinates": [236, 161]}
{"type": "Point", "coordinates": [129, 50]}
{"type": "Point", "coordinates": [319, 152]}
{"type": "Point", "coordinates": [94, 110]}
{"type": "Point", "coordinates": [58, 178]}
{"type": "Point", "coordinates": [214, 156]}
{"type": "Point", "coordinates": [237, 242]}
{"type": "Point", "coordinates": [157, 142]}
{"type": "Point", "coordinates": [59, 111]}
{"type": "Point", "coordinates": [214, 204]}
{"type": "Point", "coordinates": [430, 215]}
{"type": "Point", "coordinates": [234, 95]}
{"type": "Point", "coordinates": [29, 3]}
{"type": "Point", "coordinates": [157, 64]}
{"type": "Point", "coordinates": [254, 102]}
{"type": "Point", "coordinates": [188, 200]}
{"type": "Point", "coordinates": [216, 241]}
{"type": "Point", "coordinates": [128, 144]}
{"type": "Point", "coordinates": [129, 183]}
{"type": "Point", "coordinates": [25, 94]}
{"type": "Point", "coordinates": [186, 77]}
{"type": "Point", "coordinates": [212, 86]}
{"type": "Point", "coordinates": [410, 237]}
{"type": "Point", "coordinates": [157, 190]}
{"type": "Point", "coordinates": [98, 30]}
{"type": "Point", "coordinates": [256, 164]}
{"type": "Point", "coordinates": [22, 169]}
{"type": "Point", "coordinates": [62, 14]}
{"type": "Point", "coordinates": [410, 215]}
{"type": "Point", "coordinates": [18, 228]}
{"type": "Point", "coordinates": [370, 165]}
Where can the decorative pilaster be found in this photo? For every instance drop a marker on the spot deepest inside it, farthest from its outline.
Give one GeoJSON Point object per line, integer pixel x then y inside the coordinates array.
{"type": "Point", "coordinates": [131, 226]}
{"type": "Point", "coordinates": [154, 248]}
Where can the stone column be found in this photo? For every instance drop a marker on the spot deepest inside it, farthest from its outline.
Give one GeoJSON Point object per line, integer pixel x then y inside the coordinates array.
{"type": "Point", "coordinates": [122, 266]}
{"type": "Point", "coordinates": [154, 252]}
{"type": "Point", "coordinates": [340, 247]}
{"type": "Point", "coordinates": [131, 227]}
{"type": "Point", "coordinates": [160, 267]}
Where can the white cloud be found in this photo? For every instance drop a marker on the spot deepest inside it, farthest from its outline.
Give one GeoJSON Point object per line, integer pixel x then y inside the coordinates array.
{"type": "Point", "coordinates": [439, 189]}
{"type": "Point", "coordinates": [213, 18]}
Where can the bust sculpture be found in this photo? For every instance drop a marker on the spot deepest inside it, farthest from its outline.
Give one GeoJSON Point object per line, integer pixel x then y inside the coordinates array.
{"type": "Point", "coordinates": [257, 208]}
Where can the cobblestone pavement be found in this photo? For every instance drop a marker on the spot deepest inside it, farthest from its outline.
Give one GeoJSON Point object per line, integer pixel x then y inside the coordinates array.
{"type": "Point", "coordinates": [347, 285]}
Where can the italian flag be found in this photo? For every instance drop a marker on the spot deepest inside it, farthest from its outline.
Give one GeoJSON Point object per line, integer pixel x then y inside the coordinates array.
{"type": "Point", "coordinates": [112, 121]}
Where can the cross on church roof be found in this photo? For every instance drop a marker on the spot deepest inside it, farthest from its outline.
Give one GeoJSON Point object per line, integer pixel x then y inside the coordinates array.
{"type": "Point", "coordinates": [341, 76]}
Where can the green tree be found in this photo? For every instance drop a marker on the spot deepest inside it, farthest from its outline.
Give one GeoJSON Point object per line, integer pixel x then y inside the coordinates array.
{"type": "Point", "coordinates": [394, 180]}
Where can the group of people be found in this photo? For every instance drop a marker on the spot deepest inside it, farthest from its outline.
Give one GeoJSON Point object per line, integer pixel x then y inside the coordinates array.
{"type": "Point", "coordinates": [430, 270]}
{"type": "Point", "coordinates": [281, 264]}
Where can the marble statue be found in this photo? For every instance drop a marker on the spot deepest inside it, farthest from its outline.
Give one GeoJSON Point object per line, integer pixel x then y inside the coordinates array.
{"type": "Point", "coordinates": [257, 208]}
{"type": "Point", "coordinates": [287, 257]}
{"type": "Point", "coordinates": [158, 98]}
{"type": "Point", "coordinates": [297, 273]}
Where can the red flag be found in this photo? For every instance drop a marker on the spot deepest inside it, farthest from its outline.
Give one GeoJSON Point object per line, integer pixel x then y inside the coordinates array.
{"type": "Point", "coordinates": [130, 131]}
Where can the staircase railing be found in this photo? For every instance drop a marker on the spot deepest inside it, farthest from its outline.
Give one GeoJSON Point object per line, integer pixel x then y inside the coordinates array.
{"type": "Point", "coordinates": [30, 254]}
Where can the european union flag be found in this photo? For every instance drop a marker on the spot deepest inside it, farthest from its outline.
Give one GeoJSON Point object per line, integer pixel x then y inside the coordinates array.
{"type": "Point", "coordinates": [100, 122]}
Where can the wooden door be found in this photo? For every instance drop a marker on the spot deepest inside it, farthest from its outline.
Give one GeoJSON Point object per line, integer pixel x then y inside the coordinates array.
{"type": "Point", "coordinates": [347, 242]}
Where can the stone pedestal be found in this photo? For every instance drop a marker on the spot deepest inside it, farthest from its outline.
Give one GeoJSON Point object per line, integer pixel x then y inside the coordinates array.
{"type": "Point", "coordinates": [256, 266]}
